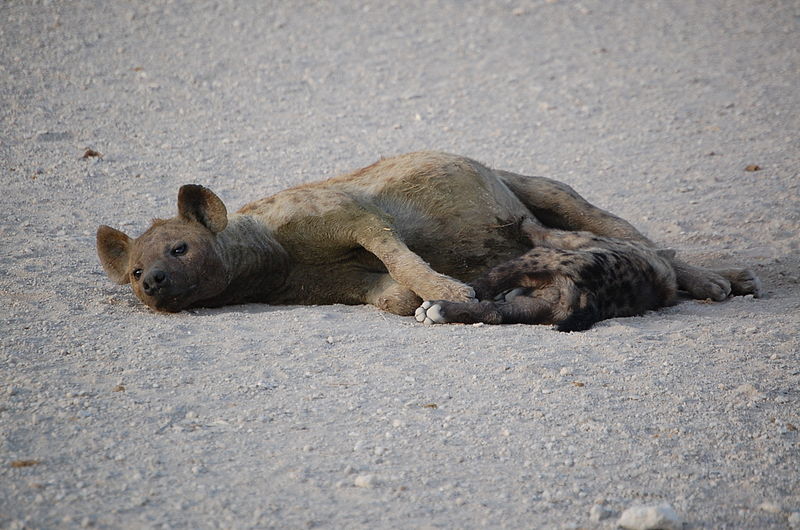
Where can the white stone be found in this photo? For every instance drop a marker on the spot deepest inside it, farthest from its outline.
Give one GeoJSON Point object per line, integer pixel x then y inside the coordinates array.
{"type": "Point", "coordinates": [770, 507]}
{"type": "Point", "coordinates": [597, 513]}
{"type": "Point", "coordinates": [364, 481]}
{"type": "Point", "coordinates": [658, 517]}
{"type": "Point", "coordinates": [794, 520]}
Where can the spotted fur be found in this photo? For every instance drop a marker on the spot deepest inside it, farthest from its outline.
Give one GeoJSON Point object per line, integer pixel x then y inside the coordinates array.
{"type": "Point", "coordinates": [570, 279]}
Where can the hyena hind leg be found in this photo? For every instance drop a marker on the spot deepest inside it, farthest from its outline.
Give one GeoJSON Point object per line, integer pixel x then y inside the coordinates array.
{"type": "Point", "coordinates": [540, 236]}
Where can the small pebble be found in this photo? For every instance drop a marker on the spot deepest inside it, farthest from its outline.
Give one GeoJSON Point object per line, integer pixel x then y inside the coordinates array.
{"type": "Point", "coordinates": [770, 507]}
{"type": "Point", "coordinates": [794, 520]}
{"type": "Point", "coordinates": [597, 513]}
{"type": "Point", "coordinates": [364, 481]}
{"type": "Point", "coordinates": [659, 517]}
{"type": "Point", "coordinates": [748, 391]}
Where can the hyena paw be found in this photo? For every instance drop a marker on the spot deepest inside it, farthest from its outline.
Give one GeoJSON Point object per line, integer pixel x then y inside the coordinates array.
{"type": "Point", "coordinates": [451, 290]}
{"type": "Point", "coordinates": [715, 288]}
{"type": "Point", "coordinates": [743, 282]}
{"type": "Point", "coordinates": [430, 313]}
{"type": "Point", "coordinates": [704, 284]}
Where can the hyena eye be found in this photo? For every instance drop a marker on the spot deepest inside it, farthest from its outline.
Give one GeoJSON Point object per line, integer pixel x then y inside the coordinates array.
{"type": "Point", "coordinates": [179, 250]}
{"type": "Point", "coordinates": [137, 273]}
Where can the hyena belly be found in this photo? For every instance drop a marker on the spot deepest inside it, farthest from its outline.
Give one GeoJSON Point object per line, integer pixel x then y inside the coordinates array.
{"type": "Point", "coordinates": [573, 288]}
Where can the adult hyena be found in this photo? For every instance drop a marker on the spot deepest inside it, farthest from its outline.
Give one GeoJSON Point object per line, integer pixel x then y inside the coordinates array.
{"type": "Point", "coordinates": [406, 229]}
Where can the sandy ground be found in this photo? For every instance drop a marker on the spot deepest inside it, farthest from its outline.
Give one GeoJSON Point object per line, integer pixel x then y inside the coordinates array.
{"type": "Point", "coordinates": [112, 416]}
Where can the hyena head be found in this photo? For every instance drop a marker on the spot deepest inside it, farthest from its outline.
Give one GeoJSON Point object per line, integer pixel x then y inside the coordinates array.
{"type": "Point", "coordinates": [176, 262]}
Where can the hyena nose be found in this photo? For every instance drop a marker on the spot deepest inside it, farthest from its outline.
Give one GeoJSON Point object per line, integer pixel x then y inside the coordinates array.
{"type": "Point", "coordinates": [154, 281]}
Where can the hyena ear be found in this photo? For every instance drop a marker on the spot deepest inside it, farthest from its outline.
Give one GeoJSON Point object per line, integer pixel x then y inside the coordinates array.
{"type": "Point", "coordinates": [112, 249]}
{"type": "Point", "coordinates": [666, 253]}
{"type": "Point", "coordinates": [197, 203]}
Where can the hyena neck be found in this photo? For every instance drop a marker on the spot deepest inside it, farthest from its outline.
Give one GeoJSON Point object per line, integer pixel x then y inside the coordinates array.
{"type": "Point", "coordinates": [256, 265]}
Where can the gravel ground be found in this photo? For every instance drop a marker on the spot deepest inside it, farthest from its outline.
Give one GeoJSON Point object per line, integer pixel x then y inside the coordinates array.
{"type": "Point", "coordinates": [112, 416]}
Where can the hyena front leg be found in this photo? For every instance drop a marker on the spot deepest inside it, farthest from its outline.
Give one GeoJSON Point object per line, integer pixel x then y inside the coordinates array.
{"type": "Point", "coordinates": [404, 266]}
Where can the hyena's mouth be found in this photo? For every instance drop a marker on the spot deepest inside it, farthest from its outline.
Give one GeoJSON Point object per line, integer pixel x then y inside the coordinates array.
{"type": "Point", "coordinates": [174, 303]}
{"type": "Point", "coordinates": [166, 305]}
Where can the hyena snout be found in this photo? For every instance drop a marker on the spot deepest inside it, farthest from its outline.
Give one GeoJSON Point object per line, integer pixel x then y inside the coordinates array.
{"type": "Point", "coordinates": [154, 281]}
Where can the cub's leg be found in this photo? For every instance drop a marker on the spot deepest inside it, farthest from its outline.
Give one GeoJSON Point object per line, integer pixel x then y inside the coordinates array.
{"type": "Point", "coordinates": [522, 310]}
{"type": "Point", "coordinates": [559, 206]}
{"type": "Point", "coordinates": [534, 288]}
{"type": "Point", "coordinates": [537, 269]}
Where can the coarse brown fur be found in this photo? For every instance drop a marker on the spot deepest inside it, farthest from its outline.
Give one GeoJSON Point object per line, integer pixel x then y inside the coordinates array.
{"type": "Point", "coordinates": [405, 229]}
{"type": "Point", "coordinates": [570, 279]}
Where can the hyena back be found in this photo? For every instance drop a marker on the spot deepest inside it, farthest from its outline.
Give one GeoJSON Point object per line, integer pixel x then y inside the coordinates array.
{"type": "Point", "coordinates": [570, 279]}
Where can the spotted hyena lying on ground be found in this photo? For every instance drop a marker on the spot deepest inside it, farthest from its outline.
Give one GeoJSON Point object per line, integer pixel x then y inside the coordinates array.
{"type": "Point", "coordinates": [403, 230]}
{"type": "Point", "coordinates": [570, 279]}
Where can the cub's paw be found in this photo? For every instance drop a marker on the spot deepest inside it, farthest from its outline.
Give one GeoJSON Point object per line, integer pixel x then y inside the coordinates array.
{"type": "Point", "coordinates": [430, 313]}
{"type": "Point", "coordinates": [743, 282]}
{"type": "Point", "coordinates": [703, 284]}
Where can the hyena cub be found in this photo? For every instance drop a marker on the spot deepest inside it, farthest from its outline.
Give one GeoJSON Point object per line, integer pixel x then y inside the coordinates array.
{"type": "Point", "coordinates": [570, 279]}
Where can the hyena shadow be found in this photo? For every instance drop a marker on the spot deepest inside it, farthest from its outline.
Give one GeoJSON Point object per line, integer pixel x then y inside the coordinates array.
{"type": "Point", "coordinates": [569, 279]}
